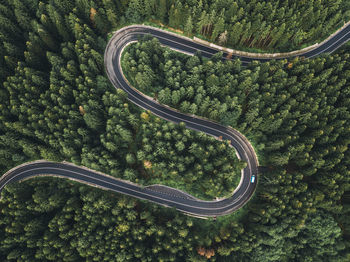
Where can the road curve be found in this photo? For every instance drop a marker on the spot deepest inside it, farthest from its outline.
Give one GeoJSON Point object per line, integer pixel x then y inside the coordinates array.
{"type": "Point", "coordinates": [158, 194]}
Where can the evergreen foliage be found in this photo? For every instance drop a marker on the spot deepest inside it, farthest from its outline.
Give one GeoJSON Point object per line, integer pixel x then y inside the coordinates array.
{"type": "Point", "coordinates": [269, 24]}
{"type": "Point", "coordinates": [56, 103]}
{"type": "Point", "coordinates": [295, 112]}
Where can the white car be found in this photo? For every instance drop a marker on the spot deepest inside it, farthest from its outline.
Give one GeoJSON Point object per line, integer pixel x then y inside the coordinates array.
{"type": "Point", "coordinates": [252, 179]}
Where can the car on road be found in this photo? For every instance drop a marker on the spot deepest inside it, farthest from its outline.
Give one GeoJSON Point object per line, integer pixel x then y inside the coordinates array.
{"type": "Point", "coordinates": [252, 179]}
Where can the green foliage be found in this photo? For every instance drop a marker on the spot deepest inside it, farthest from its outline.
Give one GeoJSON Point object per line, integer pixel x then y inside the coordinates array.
{"type": "Point", "coordinates": [272, 25]}
{"type": "Point", "coordinates": [57, 104]}
{"type": "Point", "coordinates": [297, 115]}
{"type": "Point", "coordinates": [187, 160]}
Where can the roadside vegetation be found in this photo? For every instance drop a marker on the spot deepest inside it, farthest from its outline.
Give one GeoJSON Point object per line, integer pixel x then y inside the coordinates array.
{"type": "Point", "coordinates": [255, 26]}
{"type": "Point", "coordinates": [296, 113]}
{"type": "Point", "coordinates": [56, 103]}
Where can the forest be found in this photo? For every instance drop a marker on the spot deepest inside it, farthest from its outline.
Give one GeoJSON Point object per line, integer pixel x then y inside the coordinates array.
{"type": "Point", "coordinates": [247, 25]}
{"type": "Point", "coordinates": [56, 103]}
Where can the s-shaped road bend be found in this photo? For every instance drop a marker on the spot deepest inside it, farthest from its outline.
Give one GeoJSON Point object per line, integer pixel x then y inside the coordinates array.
{"type": "Point", "coordinates": [158, 194]}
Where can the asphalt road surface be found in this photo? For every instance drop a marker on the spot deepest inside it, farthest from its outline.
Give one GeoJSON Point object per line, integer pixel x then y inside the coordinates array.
{"type": "Point", "coordinates": [159, 194]}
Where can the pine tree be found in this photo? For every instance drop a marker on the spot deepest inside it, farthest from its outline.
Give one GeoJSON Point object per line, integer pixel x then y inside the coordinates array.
{"type": "Point", "coordinates": [189, 26]}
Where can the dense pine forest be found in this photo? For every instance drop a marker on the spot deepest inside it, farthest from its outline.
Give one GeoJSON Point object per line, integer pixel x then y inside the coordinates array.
{"type": "Point", "coordinates": [252, 25]}
{"type": "Point", "coordinates": [57, 103]}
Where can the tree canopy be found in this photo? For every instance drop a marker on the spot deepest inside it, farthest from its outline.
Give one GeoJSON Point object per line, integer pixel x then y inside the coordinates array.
{"type": "Point", "coordinates": [56, 103]}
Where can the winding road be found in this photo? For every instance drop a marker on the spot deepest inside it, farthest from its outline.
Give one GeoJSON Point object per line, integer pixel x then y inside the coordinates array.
{"type": "Point", "coordinates": [160, 194]}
